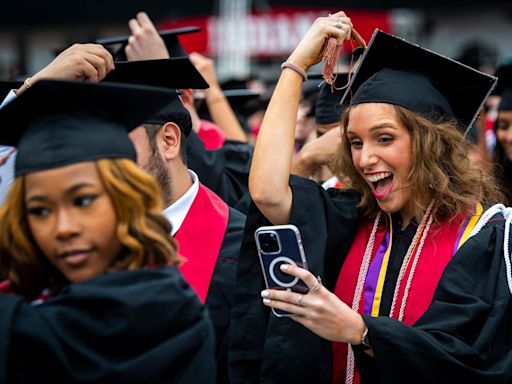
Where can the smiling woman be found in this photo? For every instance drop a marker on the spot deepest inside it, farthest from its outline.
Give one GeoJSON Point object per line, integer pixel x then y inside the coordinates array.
{"type": "Point", "coordinates": [407, 276]}
{"type": "Point", "coordinates": [76, 213]}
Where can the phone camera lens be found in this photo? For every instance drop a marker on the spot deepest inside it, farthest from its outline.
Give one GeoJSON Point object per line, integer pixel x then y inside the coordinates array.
{"type": "Point", "coordinates": [269, 242]}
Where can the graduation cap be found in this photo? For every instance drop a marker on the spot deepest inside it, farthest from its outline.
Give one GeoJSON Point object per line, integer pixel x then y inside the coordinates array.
{"type": "Point", "coordinates": [173, 112]}
{"type": "Point", "coordinates": [243, 100]}
{"type": "Point", "coordinates": [328, 107]}
{"type": "Point", "coordinates": [116, 45]}
{"type": "Point", "coordinates": [178, 72]}
{"type": "Point", "coordinates": [237, 92]}
{"type": "Point", "coordinates": [504, 87]}
{"type": "Point", "coordinates": [57, 123]}
{"type": "Point", "coordinates": [396, 72]}
{"type": "Point", "coordinates": [168, 73]}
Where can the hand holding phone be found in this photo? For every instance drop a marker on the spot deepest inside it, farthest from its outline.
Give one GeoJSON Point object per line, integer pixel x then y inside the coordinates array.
{"type": "Point", "coordinates": [278, 245]}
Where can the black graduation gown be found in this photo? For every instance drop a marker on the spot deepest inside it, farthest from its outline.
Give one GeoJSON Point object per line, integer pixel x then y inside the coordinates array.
{"type": "Point", "coordinates": [262, 347]}
{"type": "Point", "coordinates": [472, 303]}
{"type": "Point", "coordinates": [466, 334]}
{"type": "Point", "coordinates": [225, 171]}
{"type": "Point", "coordinates": [144, 326]}
{"type": "Point", "coordinates": [220, 293]}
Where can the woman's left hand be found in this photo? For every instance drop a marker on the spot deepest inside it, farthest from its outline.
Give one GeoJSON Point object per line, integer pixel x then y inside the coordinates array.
{"type": "Point", "coordinates": [321, 311]}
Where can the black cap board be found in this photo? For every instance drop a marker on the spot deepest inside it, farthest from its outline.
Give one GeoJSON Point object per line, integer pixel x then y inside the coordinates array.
{"type": "Point", "coordinates": [236, 91]}
{"type": "Point", "coordinates": [397, 72]}
{"type": "Point", "coordinates": [57, 123]}
{"type": "Point", "coordinates": [328, 107]}
{"type": "Point", "coordinates": [241, 98]}
{"type": "Point", "coordinates": [168, 73]}
{"type": "Point", "coordinates": [170, 38]}
{"type": "Point", "coordinates": [242, 95]}
{"type": "Point", "coordinates": [173, 112]}
{"type": "Point", "coordinates": [175, 73]}
{"type": "Point", "coordinates": [504, 87]}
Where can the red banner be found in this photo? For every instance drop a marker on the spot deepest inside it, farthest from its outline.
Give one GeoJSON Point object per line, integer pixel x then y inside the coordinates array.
{"type": "Point", "coordinates": [266, 34]}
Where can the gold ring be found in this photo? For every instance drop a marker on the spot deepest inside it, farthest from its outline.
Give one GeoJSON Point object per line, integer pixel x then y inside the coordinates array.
{"type": "Point", "coordinates": [299, 300]}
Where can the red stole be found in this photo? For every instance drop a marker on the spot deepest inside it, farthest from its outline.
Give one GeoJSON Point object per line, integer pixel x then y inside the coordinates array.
{"type": "Point", "coordinates": [6, 287]}
{"type": "Point", "coordinates": [437, 252]}
{"type": "Point", "coordinates": [200, 238]}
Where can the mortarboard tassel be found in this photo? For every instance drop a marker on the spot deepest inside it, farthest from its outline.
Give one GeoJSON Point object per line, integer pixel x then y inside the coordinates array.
{"type": "Point", "coordinates": [331, 54]}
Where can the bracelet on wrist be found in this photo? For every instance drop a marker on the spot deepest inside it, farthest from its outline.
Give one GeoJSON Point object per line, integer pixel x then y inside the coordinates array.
{"type": "Point", "coordinates": [296, 69]}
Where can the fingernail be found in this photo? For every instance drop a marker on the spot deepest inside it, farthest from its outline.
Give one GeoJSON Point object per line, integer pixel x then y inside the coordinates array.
{"type": "Point", "coordinates": [284, 267]}
{"type": "Point", "coordinates": [264, 294]}
{"type": "Point", "coordinates": [266, 301]}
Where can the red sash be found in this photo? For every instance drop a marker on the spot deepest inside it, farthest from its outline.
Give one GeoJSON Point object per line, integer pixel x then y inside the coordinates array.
{"type": "Point", "coordinates": [200, 238]}
{"type": "Point", "coordinates": [5, 287]}
{"type": "Point", "coordinates": [437, 252]}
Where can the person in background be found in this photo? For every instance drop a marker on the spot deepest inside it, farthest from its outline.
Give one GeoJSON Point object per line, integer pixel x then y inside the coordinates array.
{"type": "Point", "coordinates": [502, 155]}
{"type": "Point", "coordinates": [225, 171]}
{"type": "Point", "coordinates": [207, 231]}
{"type": "Point", "coordinates": [315, 158]}
{"type": "Point", "coordinates": [87, 253]}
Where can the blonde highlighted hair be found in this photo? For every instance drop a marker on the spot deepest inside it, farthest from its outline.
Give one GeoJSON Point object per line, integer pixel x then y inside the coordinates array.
{"type": "Point", "coordinates": [142, 229]}
{"type": "Point", "coordinates": [440, 170]}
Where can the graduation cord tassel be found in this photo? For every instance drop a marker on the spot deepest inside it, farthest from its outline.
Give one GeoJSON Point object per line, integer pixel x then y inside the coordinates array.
{"type": "Point", "coordinates": [365, 265]}
{"type": "Point", "coordinates": [507, 214]}
{"type": "Point", "coordinates": [330, 57]}
{"type": "Point", "coordinates": [331, 54]}
{"type": "Point", "coordinates": [419, 237]}
{"type": "Point", "coordinates": [422, 232]}
{"type": "Point", "coordinates": [401, 313]}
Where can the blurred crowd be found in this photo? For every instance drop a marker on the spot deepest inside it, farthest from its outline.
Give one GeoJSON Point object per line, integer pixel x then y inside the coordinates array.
{"type": "Point", "coordinates": [133, 182]}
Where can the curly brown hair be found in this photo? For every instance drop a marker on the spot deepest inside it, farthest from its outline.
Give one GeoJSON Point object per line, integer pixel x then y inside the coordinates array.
{"type": "Point", "coordinates": [440, 170]}
{"type": "Point", "coordinates": [142, 229]}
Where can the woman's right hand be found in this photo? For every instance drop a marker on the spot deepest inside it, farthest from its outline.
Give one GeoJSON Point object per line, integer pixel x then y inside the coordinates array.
{"type": "Point", "coordinates": [309, 50]}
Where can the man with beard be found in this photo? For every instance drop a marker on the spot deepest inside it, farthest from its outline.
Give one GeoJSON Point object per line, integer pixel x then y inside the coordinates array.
{"type": "Point", "coordinates": [224, 170]}
{"type": "Point", "coordinates": [209, 232]}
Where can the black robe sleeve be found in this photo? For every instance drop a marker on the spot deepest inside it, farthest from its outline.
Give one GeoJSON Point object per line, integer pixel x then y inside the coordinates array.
{"type": "Point", "coordinates": [466, 334]}
{"type": "Point", "coordinates": [143, 326]}
{"type": "Point", "coordinates": [262, 347]}
{"type": "Point", "coordinates": [220, 294]}
{"type": "Point", "coordinates": [225, 171]}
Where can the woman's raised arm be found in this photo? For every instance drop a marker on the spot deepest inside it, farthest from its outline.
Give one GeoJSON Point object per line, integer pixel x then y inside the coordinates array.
{"type": "Point", "coordinates": [271, 164]}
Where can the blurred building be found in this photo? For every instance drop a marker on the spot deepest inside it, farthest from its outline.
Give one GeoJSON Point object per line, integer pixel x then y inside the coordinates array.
{"type": "Point", "coordinates": [252, 36]}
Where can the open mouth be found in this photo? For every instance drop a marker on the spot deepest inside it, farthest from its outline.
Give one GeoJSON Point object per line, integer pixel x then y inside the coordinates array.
{"type": "Point", "coordinates": [381, 184]}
